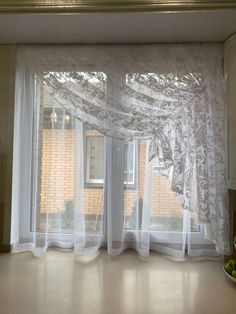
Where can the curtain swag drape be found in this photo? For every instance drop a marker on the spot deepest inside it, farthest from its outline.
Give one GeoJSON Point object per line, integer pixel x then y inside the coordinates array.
{"type": "Point", "coordinates": [171, 96]}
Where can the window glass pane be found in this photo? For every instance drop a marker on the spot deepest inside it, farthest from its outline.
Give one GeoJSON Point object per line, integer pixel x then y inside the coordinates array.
{"type": "Point", "coordinates": [62, 152]}
{"type": "Point", "coordinates": [165, 209]}
{"type": "Point", "coordinates": [57, 166]}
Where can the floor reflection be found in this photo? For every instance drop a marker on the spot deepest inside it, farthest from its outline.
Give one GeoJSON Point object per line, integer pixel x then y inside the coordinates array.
{"type": "Point", "coordinates": [59, 283]}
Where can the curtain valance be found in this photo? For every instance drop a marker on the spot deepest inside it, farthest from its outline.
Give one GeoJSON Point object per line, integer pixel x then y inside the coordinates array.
{"type": "Point", "coordinates": [130, 92]}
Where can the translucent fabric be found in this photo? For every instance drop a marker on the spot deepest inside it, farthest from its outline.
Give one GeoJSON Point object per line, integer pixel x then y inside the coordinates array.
{"type": "Point", "coordinates": [89, 110]}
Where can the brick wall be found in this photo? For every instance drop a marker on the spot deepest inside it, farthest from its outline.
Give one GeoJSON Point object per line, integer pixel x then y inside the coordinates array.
{"type": "Point", "coordinates": [57, 172]}
{"type": "Point", "coordinates": [57, 176]}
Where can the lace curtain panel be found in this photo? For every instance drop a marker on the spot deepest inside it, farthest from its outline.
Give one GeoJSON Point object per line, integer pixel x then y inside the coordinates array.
{"type": "Point", "coordinates": [169, 98]}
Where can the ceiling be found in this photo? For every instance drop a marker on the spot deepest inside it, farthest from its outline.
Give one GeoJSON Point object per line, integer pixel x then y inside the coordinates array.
{"type": "Point", "coordinates": [117, 27]}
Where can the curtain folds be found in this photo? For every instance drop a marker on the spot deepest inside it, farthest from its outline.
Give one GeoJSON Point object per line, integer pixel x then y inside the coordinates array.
{"type": "Point", "coordinates": [113, 118]}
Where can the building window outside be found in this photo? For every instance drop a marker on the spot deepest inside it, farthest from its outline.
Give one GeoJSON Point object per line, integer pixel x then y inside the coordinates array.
{"type": "Point", "coordinates": [94, 162]}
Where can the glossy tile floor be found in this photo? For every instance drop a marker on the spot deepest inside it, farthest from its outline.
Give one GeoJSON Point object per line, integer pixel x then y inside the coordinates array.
{"type": "Point", "coordinates": [113, 285]}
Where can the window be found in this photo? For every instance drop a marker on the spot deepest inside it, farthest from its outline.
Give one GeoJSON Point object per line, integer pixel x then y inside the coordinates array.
{"type": "Point", "coordinates": [65, 195]}
{"type": "Point", "coordinates": [130, 163]}
{"type": "Point", "coordinates": [56, 116]}
{"type": "Point", "coordinates": [166, 214]}
{"type": "Point", "coordinates": [94, 160]}
{"type": "Point", "coordinates": [166, 211]}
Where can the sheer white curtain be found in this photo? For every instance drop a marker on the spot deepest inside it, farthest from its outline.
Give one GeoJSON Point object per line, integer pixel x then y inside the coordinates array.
{"type": "Point", "coordinates": [120, 146]}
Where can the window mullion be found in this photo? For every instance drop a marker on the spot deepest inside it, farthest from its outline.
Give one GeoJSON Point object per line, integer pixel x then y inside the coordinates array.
{"type": "Point", "coordinates": [114, 175]}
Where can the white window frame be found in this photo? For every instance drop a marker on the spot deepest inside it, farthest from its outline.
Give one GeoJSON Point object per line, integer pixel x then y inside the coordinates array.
{"type": "Point", "coordinates": [173, 236]}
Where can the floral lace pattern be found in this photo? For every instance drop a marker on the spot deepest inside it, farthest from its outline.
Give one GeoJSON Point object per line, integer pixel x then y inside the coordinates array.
{"type": "Point", "coordinates": [172, 96]}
